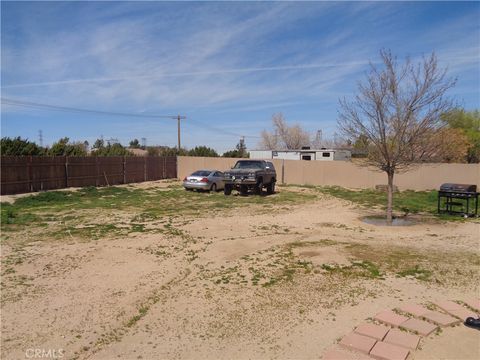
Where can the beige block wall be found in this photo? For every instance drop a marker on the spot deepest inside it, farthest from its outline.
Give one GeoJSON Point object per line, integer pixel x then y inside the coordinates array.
{"type": "Point", "coordinates": [346, 174]}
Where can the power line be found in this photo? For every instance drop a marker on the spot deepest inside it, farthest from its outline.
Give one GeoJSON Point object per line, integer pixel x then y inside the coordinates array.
{"type": "Point", "coordinates": [28, 104]}
{"type": "Point", "coordinates": [35, 105]}
{"type": "Point", "coordinates": [219, 130]}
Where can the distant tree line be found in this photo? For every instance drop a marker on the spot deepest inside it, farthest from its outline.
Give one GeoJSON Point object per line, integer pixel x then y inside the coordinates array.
{"type": "Point", "coordinates": [64, 147]}
{"type": "Point", "coordinates": [203, 151]}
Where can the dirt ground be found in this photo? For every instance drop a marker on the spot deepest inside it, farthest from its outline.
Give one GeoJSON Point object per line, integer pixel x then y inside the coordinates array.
{"type": "Point", "coordinates": [242, 284]}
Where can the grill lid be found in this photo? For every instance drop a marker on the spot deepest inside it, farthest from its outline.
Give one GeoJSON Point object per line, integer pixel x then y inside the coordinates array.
{"type": "Point", "coordinates": [466, 188]}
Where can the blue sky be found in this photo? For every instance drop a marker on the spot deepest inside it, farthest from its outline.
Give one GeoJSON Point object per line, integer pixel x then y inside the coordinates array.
{"type": "Point", "coordinates": [227, 66]}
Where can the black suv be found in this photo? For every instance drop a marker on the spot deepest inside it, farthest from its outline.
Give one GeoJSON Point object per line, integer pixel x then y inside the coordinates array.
{"type": "Point", "coordinates": [250, 175]}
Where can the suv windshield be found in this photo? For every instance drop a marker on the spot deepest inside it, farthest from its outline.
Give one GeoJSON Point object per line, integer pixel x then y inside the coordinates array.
{"type": "Point", "coordinates": [248, 165]}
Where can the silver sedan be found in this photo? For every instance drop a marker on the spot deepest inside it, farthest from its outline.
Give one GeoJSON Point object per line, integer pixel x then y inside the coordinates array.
{"type": "Point", "coordinates": [206, 180]}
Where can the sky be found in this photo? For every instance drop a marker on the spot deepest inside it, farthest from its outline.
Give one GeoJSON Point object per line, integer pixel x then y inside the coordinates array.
{"type": "Point", "coordinates": [226, 66]}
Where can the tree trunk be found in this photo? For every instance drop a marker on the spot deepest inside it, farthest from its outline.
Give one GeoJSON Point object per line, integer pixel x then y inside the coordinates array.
{"type": "Point", "coordinates": [390, 197]}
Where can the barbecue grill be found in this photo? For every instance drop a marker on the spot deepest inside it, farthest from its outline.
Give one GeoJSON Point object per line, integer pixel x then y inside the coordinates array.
{"type": "Point", "coordinates": [458, 199]}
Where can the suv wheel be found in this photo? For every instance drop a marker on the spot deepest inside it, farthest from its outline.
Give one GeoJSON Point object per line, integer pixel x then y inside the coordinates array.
{"type": "Point", "coordinates": [271, 187]}
{"type": "Point", "coordinates": [258, 187]}
{"type": "Point", "coordinates": [227, 190]}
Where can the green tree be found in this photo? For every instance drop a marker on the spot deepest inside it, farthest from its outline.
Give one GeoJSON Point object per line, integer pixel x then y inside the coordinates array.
{"type": "Point", "coordinates": [19, 147]}
{"type": "Point", "coordinates": [64, 147]}
{"type": "Point", "coordinates": [241, 148]}
{"type": "Point", "coordinates": [359, 147]}
{"type": "Point", "coordinates": [135, 144]}
{"type": "Point", "coordinates": [469, 123]}
{"type": "Point", "coordinates": [235, 154]}
{"type": "Point", "coordinates": [115, 149]}
{"type": "Point", "coordinates": [165, 151]}
{"type": "Point", "coordinates": [231, 154]}
{"type": "Point", "coordinates": [361, 143]}
{"type": "Point", "coordinates": [239, 152]}
{"type": "Point", "coordinates": [202, 151]}
{"type": "Point", "coordinates": [98, 144]}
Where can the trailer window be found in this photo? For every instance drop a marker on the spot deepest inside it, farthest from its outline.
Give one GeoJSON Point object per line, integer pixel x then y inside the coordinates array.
{"type": "Point", "coordinates": [326, 154]}
{"type": "Point", "coordinates": [306, 157]}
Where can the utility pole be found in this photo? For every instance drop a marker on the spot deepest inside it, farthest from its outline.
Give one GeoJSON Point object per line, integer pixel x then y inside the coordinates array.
{"type": "Point", "coordinates": [179, 117]}
{"type": "Point", "coordinates": [178, 131]}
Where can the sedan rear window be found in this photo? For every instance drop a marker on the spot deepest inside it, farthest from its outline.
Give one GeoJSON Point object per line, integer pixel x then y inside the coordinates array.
{"type": "Point", "coordinates": [201, 173]}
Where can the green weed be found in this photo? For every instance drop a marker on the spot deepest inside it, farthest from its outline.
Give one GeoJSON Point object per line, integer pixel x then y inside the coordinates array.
{"type": "Point", "coordinates": [405, 201]}
{"type": "Point", "coordinates": [63, 211]}
{"type": "Point", "coordinates": [417, 272]}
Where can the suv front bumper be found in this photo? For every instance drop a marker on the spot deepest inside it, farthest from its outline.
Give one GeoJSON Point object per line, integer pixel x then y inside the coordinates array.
{"type": "Point", "coordinates": [241, 180]}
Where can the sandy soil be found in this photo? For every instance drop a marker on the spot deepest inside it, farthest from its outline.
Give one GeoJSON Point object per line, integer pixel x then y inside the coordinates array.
{"type": "Point", "coordinates": [199, 294]}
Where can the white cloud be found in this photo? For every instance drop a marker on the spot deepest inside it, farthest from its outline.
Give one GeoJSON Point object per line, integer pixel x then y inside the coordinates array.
{"type": "Point", "coordinates": [214, 58]}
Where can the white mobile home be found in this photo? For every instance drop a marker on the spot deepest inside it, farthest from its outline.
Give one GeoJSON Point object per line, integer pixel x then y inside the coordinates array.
{"type": "Point", "coordinates": [303, 154]}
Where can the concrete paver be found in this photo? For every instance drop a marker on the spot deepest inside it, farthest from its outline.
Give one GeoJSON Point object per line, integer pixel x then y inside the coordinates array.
{"type": "Point", "coordinates": [474, 304]}
{"type": "Point", "coordinates": [448, 305]}
{"type": "Point", "coordinates": [342, 354]}
{"type": "Point", "coordinates": [462, 314]}
{"type": "Point", "coordinates": [421, 327]}
{"type": "Point", "coordinates": [440, 319]}
{"type": "Point", "coordinates": [391, 318]}
{"type": "Point", "coordinates": [414, 309]}
{"type": "Point", "coordinates": [385, 351]}
{"type": "Point", "coordinates": [375, 331]}
{"type": "Point", "coordinates": [358, 342]}
{"type": "Point", "coordinates": [382, 342]}
{"type": "Point", "coordinates": [402, 338]}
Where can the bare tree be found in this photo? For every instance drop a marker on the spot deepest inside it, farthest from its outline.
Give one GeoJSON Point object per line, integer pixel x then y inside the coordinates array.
{"type": "Point", "coordinates": [333, 142]}
{"type": "Point", "coordinates": [284, 137]}
{"type": "Point", "coordinates": [269, 141]}
{"type": "Point", "coordinates": [398, 111]}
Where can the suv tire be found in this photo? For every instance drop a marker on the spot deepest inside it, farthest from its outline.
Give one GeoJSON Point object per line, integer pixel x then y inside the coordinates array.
{"type": "Point", "coordinates": [271, 187]}
{"type": "Point", "coordinates": [227, 190]}
{"type": "Point", "coordinates": [258, 187]}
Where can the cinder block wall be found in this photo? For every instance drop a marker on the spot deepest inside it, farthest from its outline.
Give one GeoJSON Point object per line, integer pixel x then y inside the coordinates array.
{"type": "Point", "coordinates": [347, 174]}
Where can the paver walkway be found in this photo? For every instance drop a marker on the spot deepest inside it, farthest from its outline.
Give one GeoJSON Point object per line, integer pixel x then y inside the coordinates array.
{"type": "Point", "coordinates": [395, 334]}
